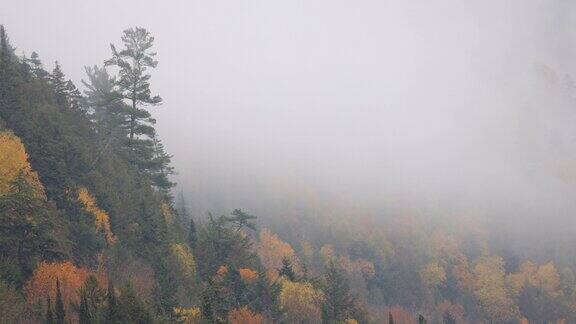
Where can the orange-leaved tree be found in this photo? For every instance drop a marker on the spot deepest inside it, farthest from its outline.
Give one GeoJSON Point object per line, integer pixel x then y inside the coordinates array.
{"type": "Point", "coordinates": [244, 316]}
{"type": "Point", "coordinates": [71, 278]}
{"type": "Point", "coordinates": [272, 250]}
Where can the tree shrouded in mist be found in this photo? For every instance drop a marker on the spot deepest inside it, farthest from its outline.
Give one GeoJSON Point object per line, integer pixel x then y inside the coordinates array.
{"type": "Point", "coordinates": [133, 83]}
{"type": "Point", "coordinates": [132, 86]}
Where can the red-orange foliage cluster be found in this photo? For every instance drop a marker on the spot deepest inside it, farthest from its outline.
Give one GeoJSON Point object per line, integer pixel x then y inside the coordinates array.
{"type": "Point", "coordinates": [248, 274]}
{"type": "Point", "coordinates": [222, 271]}
{"type": "Point", "coordinates": [244, 316]}
{"type": "Point", "coordinates": [43, 282]}
{"type": "Point", "coordinates": [401, 315]}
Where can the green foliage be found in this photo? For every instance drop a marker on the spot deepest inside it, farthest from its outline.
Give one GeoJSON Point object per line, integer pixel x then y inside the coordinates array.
{"type": "Point", "coordinates": [144, 149]}
{"type": "Point", "coordinates": [240, 219]}
{"type": "Point", "coordinates": [26, 224]}
{"type": "Point", "coordinates": [536, 305]}
{"type": "Point", "coordinates": [105, 140]}
{"type": "Point", "coordinates": [59, 86]}
{"type": "Point", "coordinates": [12, 305]}
{"type": "Point", "coordinates": [36, 66]}
{"type": "Point", "coordinates": [49, 319]}
{"type": "Point", "coordinates": [84, 314]}
{"type": "Point", "coordinates": [106, 108]}
{"type": "Point", "coordinates": [447, 318]}
{"type": "Point", "coordinates": [132, 308]}
{"type": "Point", "coordinates": [192, 234]}
{"type": "Point", "coordinates": [287, 270]}
{"type": "Point", "coordinates": [339, 303]}
{"type": "Point", "coordinates": [69, 148]}
{"type": "Point", "coordinates": [113, 312]}
{"type": "Point", "coordinates": [221, 242]}
{"type": "Point", "coordinates": [222, 245]}
{"type": "Point", "coordinates": [421, 319]}
{"type": "Point", "coordinates": [92, 299]}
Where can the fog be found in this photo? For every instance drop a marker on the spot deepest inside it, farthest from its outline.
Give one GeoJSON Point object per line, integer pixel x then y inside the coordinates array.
{"type": "Point", "coordinates": [441, 105]}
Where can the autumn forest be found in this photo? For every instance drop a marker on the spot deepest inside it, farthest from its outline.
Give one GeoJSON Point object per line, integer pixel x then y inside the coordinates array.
{"type": "Point", "coordinates": [95, 228]}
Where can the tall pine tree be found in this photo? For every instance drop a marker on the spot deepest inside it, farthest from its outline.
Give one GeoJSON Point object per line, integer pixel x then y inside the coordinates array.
{"type": "Point", "coordinates": [133, 85]}
{"type": "Point", "coordinates": [59, 85]}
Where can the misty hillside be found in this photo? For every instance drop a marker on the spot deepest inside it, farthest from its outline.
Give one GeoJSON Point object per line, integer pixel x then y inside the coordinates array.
{"type": "Point", "coordinates": [323, 189]}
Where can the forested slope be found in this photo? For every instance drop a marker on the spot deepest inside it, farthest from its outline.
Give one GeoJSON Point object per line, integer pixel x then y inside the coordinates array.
{"type": "Point", "coordinates": [91, 233]}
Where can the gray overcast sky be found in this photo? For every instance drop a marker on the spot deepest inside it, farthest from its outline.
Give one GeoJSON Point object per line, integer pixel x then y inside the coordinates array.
{"type": "Point", "coordinates": [367, 101]}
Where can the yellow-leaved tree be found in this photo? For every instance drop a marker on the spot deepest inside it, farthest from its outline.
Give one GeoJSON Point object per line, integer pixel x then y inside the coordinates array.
{"type": "Point", "coordinates": [182, 257]}
{"type": "Point", "coordinates": [14, 162]}
{"type": "Point", "coordinates": [101, 219]}
{"type": "Point", "coordinates": [433, 275]}
{"type": "Point", "coordinates": [491, 292]}
{"type": "Point", "coordinates": [191, 315]}
{"type": "Point", "coordinates": [300, 302]}
{"type": "Point", "coordinates": [272, 250]}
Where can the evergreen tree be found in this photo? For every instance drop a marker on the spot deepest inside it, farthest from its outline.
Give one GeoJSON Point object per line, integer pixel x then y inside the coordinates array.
{"type": "Point", "coordinates": [236, 287]}
{"type": "Point", "coordinates": [8, 73]}
{"type": "Point", "coordinates": [287, 269]}
{"type": "Point", "coordinates": [6, 50]}
{"type": "Point", "coordinates": [133, 85]}
{"type": "Point", "coordinates": [107, 110]}
{"type": "Point", "coordinates": [74, 96]}
{"type": "Point", "coordinates": [390, 318]}
{"type": "Point", "coordinates": [339, 303]}
{"type": "Point", "coordinates": [221, 242]}
{"type": "Point", "coordinates": [241, 219]}
{"type": "Point", "coordinates": [133, 62]}
{"type": "Point", "coordinates": [448, 318]}
{"type": "Point", "coordinates": [59, 312]}
{"type": "Point", "coordinates": [26, 226]}
{"type": "Point", "coordinates": [49, 316]}
{"type": "Point", "coordinates": [84, 314]}
{"type": "Point", "coordinates": [91, 299]}
{"type": "Point", "coordinates": [113, 311]}
{"type": "Point", "coordinates": [161, 169]}
{"type": "Point", "coordinates": [208, 301]}
{"type": "Point", "coordinates": [421, 319]}
{"type": "Point", "coordinates": [59, 86]}
{"type": "Point", "coordinates": [192, 235]}
{"type": "Point", "coordinates": [66, 95]}
{"type": "Point", "coordinates": [36, 66]}
{"type": "Point", "coordinates": [133, 308]}
{"type": "Point", "coordinates": [269, 296]}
